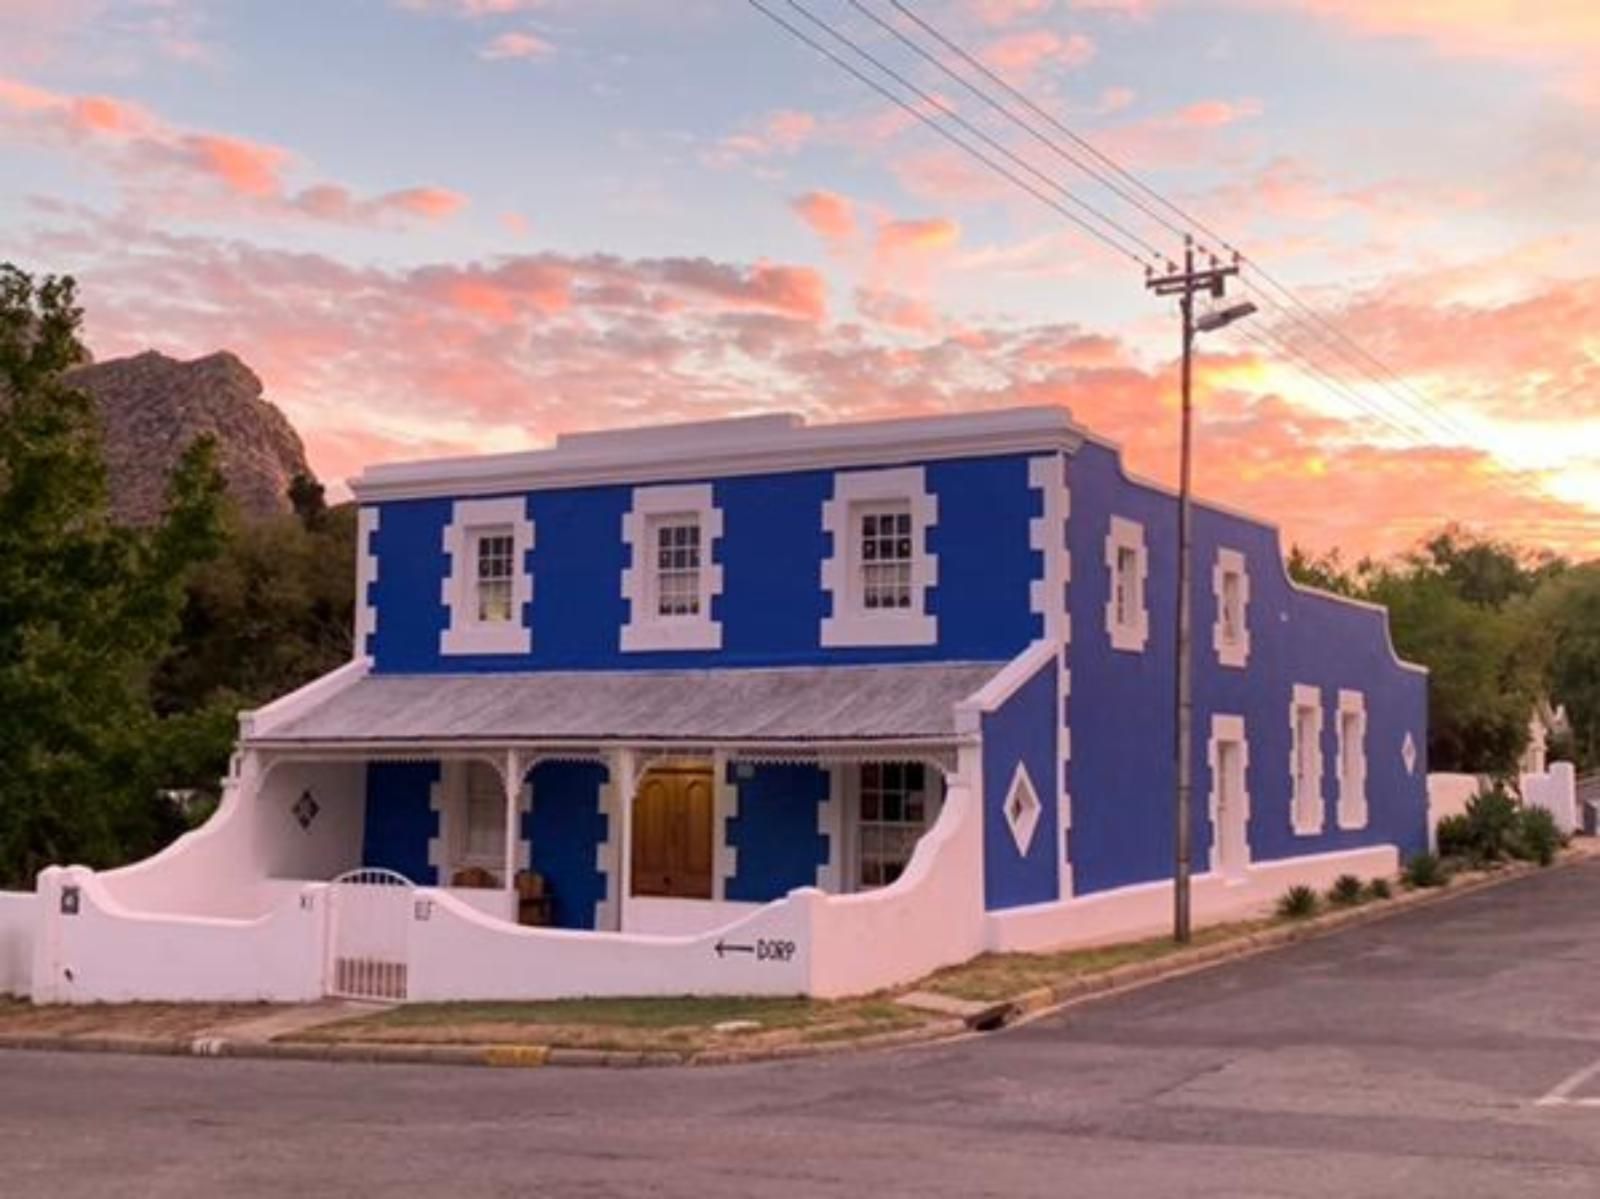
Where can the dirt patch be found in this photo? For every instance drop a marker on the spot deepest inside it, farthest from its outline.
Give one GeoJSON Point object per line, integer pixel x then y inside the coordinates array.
{"type": "Point", "coordinates": [156, 1021]}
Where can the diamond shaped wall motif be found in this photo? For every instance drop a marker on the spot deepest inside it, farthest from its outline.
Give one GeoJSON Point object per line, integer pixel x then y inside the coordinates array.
{"type": "Point", "coordinates": [1408, 754]}
{"type": "Point", "coordinates": [1022, 809]}
{"type": "Point", "coordinates": [305, 809]}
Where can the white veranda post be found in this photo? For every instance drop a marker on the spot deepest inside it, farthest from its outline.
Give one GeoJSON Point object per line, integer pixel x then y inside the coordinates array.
{"type": "Point", "coordinates": [513, 782]}
{"type": "Point", "coordinates": [622, 764]}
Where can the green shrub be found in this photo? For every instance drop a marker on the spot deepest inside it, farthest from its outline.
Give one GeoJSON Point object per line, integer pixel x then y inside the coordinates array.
{"type": "Point", "coordinates": [1539, 836]}
{"type": "Point", "coordinates": [1379, 888]}
{"type": "Point", "coordinates": [1455, 836]}
{"type": "Point", "coordinates": [1346, 891]}
{"type": "Point", "coordinates": [1493, 825]}
{"type": "Point", "coordinates": [1298, 902]}
{"type": "Point", "coordinates": [1426, 870]}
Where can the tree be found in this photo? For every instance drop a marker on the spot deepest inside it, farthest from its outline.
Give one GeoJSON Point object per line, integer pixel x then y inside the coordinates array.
{"type": "Point", "coordinates": [1566, 612]}
{"type": "Point", "coordinates": [87, 609]}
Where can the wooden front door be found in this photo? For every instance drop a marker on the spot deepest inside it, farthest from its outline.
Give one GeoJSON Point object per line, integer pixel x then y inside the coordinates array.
{"type": "Point", "coordinates": [672, 826]}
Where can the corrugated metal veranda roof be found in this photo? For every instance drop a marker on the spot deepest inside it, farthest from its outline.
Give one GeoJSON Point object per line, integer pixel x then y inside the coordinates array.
{"type": "Point", "coordinates": [914, 702]}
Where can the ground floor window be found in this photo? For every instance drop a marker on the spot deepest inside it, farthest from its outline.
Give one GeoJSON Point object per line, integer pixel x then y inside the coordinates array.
{"type": "Point", "coordinates": [476, 827]}
{"type": "Point", "coordinates": [895, 806]}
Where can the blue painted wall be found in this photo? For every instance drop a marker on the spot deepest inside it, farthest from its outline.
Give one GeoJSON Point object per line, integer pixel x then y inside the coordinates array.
{"type": "Point", "coordinates": [400, 820]}
{"type": "Point", "coordinates": [1022, 730]}
{"type": "Point", "coordinates": [563, 829]}
{"type": "Point", "coordinates": [1121, 713]}
{"type": "Point", "coordinates": [775, 831]}
{"type": "Point", "coordinates": [772, 602]}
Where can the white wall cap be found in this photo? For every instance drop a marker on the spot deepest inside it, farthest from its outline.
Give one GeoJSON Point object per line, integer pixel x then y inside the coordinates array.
{"type": "Point", "coordinates": [711, 449]}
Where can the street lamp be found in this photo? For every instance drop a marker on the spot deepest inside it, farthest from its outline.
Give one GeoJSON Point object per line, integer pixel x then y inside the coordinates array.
{"type": "Point", "coordinates": [1185, 284]}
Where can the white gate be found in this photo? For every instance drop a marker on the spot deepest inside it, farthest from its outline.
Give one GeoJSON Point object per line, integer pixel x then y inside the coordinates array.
{"type": "Point", "coordinates": [370, 911]}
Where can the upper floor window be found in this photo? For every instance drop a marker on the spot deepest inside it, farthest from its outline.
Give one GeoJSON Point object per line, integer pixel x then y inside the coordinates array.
{"type": "Point", "coordinates": [1305, 760]}
{"type": "Point", "coordinates": [489, 587]}
{"type": "Point", "coordinates": [1128, 567]}
{"type": "Point", "coordinates": [1230, 584]}
{"type": "Point", "coordinates": [886, 557]}
{"type": "Point", "coordinates": [670, 584]}
{"type": "Point", "coordinates": [496, 553]}
{"type": "Point", "coordinates": [881, 568]}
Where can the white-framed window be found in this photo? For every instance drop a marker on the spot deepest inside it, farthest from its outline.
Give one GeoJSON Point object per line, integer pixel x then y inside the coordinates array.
{"type": "Point", "coordinates": [489, 587]}
{"type": "Point", "coordinates": [1352, 735]}
{"type": "Point", "coordinates": [881, 569]}
{"type": "Point", "coordinates": [1128, 566]}
{"type": "Point", "coordinates": [470, 848]}
{"type": "Point", "coordinates": [895, 805]}
{"type": "Point", "coordinates": [1305, 760]}
{"type": "Point", "coordinates": [494, 551]}
{"type": "Point", "coordinates": [1230, 583]}
{"type": "Point", "coordinates": [672, 577]}
{"type": "Point", "coordinates": [1228, 753]}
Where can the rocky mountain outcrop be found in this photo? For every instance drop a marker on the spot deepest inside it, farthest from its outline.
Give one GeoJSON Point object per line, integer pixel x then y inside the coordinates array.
{"type": "Point", "coordinates": [152, 407]}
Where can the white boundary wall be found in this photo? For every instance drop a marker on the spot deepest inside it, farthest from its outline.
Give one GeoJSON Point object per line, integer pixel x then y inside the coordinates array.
{"type": "Point", "coordinates": [1556, 790]}
{"type": "Point", "coordinates": [107, 953]}
{"type": "Point", "coordinates": [1447, 796]}
{"type": "Point", "coordinates": [18, 916]}
{"type": "Point", "coordinates": [1146, 910]}
{"type": "Point", "coordinates": [805, 943]}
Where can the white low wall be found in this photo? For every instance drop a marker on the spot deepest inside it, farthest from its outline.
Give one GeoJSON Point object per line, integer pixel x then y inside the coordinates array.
{"type": "Point", "coordinates": [1447, 796]}
{"type": "Point", "coordinates": [18, 915]}
{"type": "Point", "coordinates": [681, 917]}
{"type": "Point", "coordinates": [1133, 913]}
{"type": "Point", "coordinates": [107, 953]}
{"type": "Point", "coordinates": [805, 943]}
{"type": "Point", "coordinates": [1557, 792]}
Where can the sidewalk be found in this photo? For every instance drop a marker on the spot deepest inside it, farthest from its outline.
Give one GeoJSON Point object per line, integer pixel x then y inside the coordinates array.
{"type": "Point", "coordinates": [988, 993]}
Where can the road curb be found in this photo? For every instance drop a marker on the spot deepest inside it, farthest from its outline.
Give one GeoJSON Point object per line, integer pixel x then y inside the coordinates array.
{"type": "Point", "coordinates": [1020, 1009]}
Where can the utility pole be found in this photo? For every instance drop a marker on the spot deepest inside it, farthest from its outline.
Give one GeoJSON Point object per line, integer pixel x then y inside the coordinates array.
{"type": "Point", "coordinates": [1185, 285]}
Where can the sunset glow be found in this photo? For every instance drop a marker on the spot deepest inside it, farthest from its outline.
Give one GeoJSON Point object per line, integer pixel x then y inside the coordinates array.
{"type": "Point", "coordinates": [440, 226]}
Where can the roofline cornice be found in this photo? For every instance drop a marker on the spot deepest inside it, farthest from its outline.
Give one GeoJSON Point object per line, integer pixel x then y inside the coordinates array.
{"type": "Point", "coordinates": [725, 449]}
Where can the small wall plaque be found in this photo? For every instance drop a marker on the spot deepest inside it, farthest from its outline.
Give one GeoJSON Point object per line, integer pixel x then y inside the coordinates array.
{"type": "Point", "coordinates": [71, 900]}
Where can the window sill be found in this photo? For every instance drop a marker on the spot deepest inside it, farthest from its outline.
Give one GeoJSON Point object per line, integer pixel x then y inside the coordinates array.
{"type": "Point", "coordinates": [860, 629]}
{"type": "Point", "coordinates": [485, 639]}
{"type": "Point", "coordinates": [671, 635]}
{"type": "Point", "coordinates": [1130, 639]}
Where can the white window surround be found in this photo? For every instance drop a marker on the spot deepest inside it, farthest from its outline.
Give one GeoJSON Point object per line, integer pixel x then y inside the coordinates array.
{"type": "Point", "coordinates": [1129, 630]}
{"type": "Point", "coordinates": [854, 493]}
{"type": "Point", "coordinates": [1306, 809]}
{"type": "Point", "coordinates": [465, 633]}
{"type": "Point", "coordinates": [1228, 729]}
{"type": "Point", "coordinates": [1022, 809]}
{"type": "Point", "coordinates": [1352, 730]}
{"type": "Point", "coordinates": [646, 629]}
{"type": "Point", "coordinates": [366, 575]}
{"type": "Point", "coordinates": [1230, 636]}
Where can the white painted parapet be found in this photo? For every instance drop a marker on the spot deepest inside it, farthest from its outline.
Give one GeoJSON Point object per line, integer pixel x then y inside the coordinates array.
{"type": "Point", "coordinates": [1556, 791]}
{"type": "Point", "coordinates": [1133, 913]}
{"type": "Point", "coordinates": [90, 949]}
{"type": "Point", "coordinates": [18, 915]}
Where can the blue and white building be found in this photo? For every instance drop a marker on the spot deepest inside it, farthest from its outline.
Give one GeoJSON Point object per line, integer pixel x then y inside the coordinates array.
{"type": "Point", "coordinates": [757, 706]}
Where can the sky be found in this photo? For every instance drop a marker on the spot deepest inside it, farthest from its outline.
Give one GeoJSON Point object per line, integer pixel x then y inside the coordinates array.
{"type": "Point", "coordinates": [451, 226]}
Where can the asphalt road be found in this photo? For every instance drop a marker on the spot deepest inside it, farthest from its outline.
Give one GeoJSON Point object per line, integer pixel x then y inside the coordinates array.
{"type": "Point", "coordinates": [1406, 1058]}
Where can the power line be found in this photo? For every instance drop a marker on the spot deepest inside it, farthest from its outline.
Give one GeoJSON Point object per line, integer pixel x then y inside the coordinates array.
{"type": "Point", "coordinates": [1418, 401]}
{"type": "Point", "coordinates": [1042, 197]}
{"type": "Point", "coordinates": [928, 98]}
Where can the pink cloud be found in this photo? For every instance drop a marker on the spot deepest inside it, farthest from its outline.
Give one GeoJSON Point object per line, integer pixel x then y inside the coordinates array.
{"type": "Point", "coordinates": [1213, 114]}
{"type": "Point", "coordinates": [181, 169]}
{"type": "Point", "coordinates": [830, 216]}
{"type": "Point", "coordinates": [1021, 54]}
{"type": "Point", "coordinates": [516, 45]}
{"type": "Point", "coordinates": [929, 236]}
